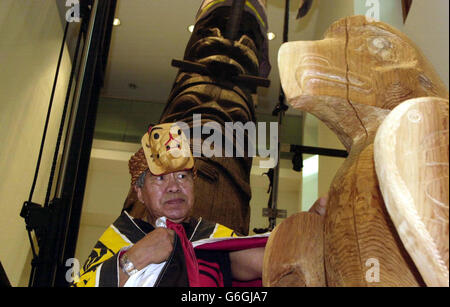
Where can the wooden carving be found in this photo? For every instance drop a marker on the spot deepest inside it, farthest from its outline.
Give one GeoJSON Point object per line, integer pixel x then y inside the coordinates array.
{"type": "Point", "coordinates": [294, 253]}
{"type": "Point", "coordinates": [351, 80]}
{"type": "Point", "coordinates": [411, 159]}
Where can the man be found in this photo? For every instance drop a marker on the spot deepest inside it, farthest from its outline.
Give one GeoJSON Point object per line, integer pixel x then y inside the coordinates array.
{"type": "Point", "coordinates": [157, 250]}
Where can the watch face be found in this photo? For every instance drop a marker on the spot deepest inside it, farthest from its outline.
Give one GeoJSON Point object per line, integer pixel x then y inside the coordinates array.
{"type": "Point", "coordinates": [126, 265]}
{"type": "Point", "coordinates": [129, 267]}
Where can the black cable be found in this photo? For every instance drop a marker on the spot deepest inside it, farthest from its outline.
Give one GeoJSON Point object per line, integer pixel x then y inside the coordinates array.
{"type": "Point", "coordinates": [33, 267]}
{"type": "Point", "coordinates": [286, 22]}
{"type": "Point", "coordinates": [63, 119]}
{"type": "Point", "coordinates": [279, 110]}
{"type": "Point", "coordinates": [285, 39]}
{"type": "Point", "coordinates": [38, 164]}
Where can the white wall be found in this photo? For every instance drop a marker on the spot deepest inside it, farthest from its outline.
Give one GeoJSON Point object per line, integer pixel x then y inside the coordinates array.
{"type": "Point", "coordinates": [427, 25]}
{"type": "Point", "coordinates": [329, 12]}
{"type": "Point", "coordinates": [390, 11]}
{"type": "Point", "coordinates": [30, 35]}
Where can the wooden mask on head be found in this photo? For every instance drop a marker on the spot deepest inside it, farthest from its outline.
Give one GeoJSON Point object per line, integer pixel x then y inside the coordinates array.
{"type": "Point", "coordinates": [166, 149]}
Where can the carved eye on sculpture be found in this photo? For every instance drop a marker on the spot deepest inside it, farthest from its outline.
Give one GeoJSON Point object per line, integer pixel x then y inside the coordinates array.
{"type": "Point", "coordinates": [381, 47]}
{"type": "Point", "coordinates": [179, 131]}
{"type": "Point", "coordinates": [380, 43]}
{"type": "Point", "coordinates": [156, 136]}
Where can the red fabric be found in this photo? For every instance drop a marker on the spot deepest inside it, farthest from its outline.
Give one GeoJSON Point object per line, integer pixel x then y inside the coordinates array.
{"type": "Point", "coordinates": [213, 276]}
{"type": "Point", "coordinates": [234, 244]}
{"type": "Point", "coordinates": [198, 280]}
{"type": "Point", "coordinates": [189, 254]}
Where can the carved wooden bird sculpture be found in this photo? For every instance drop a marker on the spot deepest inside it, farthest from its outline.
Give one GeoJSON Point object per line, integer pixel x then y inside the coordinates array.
{"type": "Point", "coordinates": [351, 80]}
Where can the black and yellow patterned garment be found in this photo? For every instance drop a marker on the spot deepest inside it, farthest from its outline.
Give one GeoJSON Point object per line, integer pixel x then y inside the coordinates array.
{"type": "Point", "coordinates": [101, 268]}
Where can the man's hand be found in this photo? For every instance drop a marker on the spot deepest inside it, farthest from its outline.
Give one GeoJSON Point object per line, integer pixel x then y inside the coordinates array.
{"type": "Point", "coordinates": [155, 247]}
{"type": "Point", "coordinates": [320, 206]}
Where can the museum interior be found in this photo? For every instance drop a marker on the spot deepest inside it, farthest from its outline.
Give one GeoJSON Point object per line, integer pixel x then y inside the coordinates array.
{"type": "Point", "coordinates": [81, 83]}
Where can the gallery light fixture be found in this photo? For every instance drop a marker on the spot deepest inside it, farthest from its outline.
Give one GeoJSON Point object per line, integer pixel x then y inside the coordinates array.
{"type": "Point", "coordinates": [116, 22]}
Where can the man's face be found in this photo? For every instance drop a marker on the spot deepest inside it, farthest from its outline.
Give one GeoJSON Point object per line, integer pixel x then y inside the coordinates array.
{"type": "Point", "coordinates": [170, 195]}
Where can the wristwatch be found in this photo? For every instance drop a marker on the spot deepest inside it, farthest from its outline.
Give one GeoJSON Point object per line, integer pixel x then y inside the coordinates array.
{"type": "Point", "coordinates": [126, 265]}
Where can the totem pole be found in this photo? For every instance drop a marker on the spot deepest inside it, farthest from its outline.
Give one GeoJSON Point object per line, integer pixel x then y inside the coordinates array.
{"type": "Point", "coordinates": [225, 60]}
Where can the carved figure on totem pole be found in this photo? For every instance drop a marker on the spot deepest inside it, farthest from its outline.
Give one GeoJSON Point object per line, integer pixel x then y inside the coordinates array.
{"type": "Point", "coordinates": [218, 78]}
{"type": "Point", "coordinates": [351, 80]}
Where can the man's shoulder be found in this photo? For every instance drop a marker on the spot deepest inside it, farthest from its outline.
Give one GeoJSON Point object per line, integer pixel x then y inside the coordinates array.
{"type": "Point", "coordinates": [125, 228]}
{"type": "Point", "coordinates": [207, 229]}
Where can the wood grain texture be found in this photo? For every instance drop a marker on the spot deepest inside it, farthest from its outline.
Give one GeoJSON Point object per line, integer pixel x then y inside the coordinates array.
{"type": "Point", "coordinates": [411, 158]}
{"type": "Point", "coordinates": [358, 230]}
{"type": "Point", "coordinates": [351, 80]}
{"type": "Point", "coordinates": [294, 253]}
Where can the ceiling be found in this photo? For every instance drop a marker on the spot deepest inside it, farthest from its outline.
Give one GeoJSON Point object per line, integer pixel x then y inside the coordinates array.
{"type": "Point", "coordinates": [152, 33]}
